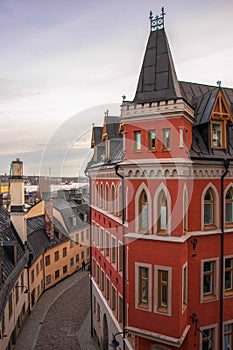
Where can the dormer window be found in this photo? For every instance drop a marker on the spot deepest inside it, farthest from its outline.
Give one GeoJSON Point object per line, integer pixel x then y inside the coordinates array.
{"type": "Point", "coordinates": [220, 117]}
{"type": "Point", "coordinates": [218, 134]}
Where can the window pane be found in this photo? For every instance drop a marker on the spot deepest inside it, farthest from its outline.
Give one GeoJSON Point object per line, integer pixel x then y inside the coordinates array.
{"type": "Point", "coordinates": [229, 212]}
{"type": "Point", "coordinates": [208, 214]}
{"type": "Point", "coordinates": [228, 280]}
{"type": "Point", "coordinates": [144, 217]}
{"type": "Point", "coordinates": [138, 140]}
{"type": "Point", "coordinates": [166, 139]}
{"type": "Point", "coordinates": [207, 266]}
{"type": "Point", "coordinates": [164, 296]}
{"type": "Point", "coordinates": [144, 292]}
{"type": "Point", "coordinates": [217, 134]}
{"type": "Point", "coordinates": [163, 217]}
{"type": "Point", "coordinates": [208, 196]}
{"type": "Point", "coordinates": [207, 286]}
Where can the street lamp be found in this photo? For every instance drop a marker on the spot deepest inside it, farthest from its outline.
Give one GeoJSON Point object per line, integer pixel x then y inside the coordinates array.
{"type": "Point", "coordinates": [195, 322]}
{"type": "Point", "coordinates": [26, 291]}
{"type": "Point", "coordinates": [114, 343]}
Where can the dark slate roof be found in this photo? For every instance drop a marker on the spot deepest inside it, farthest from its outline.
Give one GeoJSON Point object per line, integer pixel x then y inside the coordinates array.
{"type": "Point", "coordinates": [157, 80]}
{"type": "Point", "coordinates": [69, 210]}
{"type": "Point", "coordinates": [97, 135]}
{"type": "Point", "coordinates": [8, 233]}
{"type": "Point", "coordinates": [191, 91]}
{"type": "Point", "coordinates": [204, 105]}
{"type": "Point", "coordinates": [112, 127]}
{"type": "Point", "coordinates": [10, 270]}
{"type": "Point", "coordinates": [38, 241]}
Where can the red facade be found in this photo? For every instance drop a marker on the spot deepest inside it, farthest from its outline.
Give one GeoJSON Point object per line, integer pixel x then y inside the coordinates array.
{"type": "Point", "coordinates": [162, 214]}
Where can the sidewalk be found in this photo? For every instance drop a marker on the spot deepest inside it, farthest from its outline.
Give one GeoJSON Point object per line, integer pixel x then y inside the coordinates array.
{"type": "Point", "coordinates": [44, 321]}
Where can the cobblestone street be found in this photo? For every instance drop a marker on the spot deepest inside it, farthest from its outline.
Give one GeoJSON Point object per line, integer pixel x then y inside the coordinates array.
{"type": "Point", "coordinates": [60, 320]}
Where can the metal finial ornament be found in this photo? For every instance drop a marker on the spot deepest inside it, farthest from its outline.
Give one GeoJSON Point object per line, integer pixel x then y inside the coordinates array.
{"type": "Point", "coordinates": [219, 83]}
{"type": "Point", "coordinates": [123, 98]}
{"type": "Point", "coordinates": [157, 22]}
{"type": "Point", "coordinates": [106, 113]}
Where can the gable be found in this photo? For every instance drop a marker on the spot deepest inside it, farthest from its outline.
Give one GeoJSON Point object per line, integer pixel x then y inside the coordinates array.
{"type": "Point", "coordinates": [221, 110]}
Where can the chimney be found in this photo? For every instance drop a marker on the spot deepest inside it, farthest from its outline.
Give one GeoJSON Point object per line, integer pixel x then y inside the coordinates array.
{"type": "Point", "coordinates": [17, 198]}
{"type": "Point", "coordinates": [48, 205]}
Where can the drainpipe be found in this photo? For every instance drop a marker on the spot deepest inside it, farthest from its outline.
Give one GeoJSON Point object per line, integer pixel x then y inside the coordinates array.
{"type": "Point", "coordinates": [124, 253]}
{"type": "Point", "coordinates": [226, 165]}
{"type": "Point", "coordinates": [90, 263]}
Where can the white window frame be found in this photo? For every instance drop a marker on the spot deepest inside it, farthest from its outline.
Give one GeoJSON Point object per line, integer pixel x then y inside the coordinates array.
{"type": "Point", "coordinates": [225, 324]}
{"type": "Point", "coordinates": [216, 277]}
{"type": "Point", "coordinates": [113, 238]}
{"type": "Point", "coordinates": [156, 291]}
{"type": "Point", "coordinates": [215, 327]}
{"type": "Point", "coordinates": [137, 298]}
{"type": "Point", "coordinates": [216, 206]}
{"type": "Point", "coordinates": [227, 294]}
{"type": "Point", "coordinates": [149, 204]}
{"type": "Point", "coordinates": [120, 244]}
{"type": "Point", "coordinates": [163, 188]}
{"type": "Point", "coordinates": [184, 287]}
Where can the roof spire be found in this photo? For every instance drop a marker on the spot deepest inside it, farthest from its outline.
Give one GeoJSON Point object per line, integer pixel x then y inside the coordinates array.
{"type": "Point", "coordinates": [157, 22]}
{"type": "Point", "coordinates": [219, 83]}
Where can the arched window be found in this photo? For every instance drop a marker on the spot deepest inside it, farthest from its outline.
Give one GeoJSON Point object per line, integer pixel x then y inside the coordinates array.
{"type": "Point", "coordinates": [209, 209]}
{"type": "Point", "coordinates": [143, 212]}
{"type": "Point", "coordinates": [97, 195]}
{"type": "Point", "coordinates": [93, 193]}
{"type": "Point", "coordinates": [113, 199]}
{"type": "Point", "coordinates": [185, 212]}
{"type": "Point", "coordinates": [162, 213]}
{"type": "Point", "coordinates": [101, 196]}
{"type": "Point", "coordinates": [106, 198]}
{"type": "Point", "coordinates": [126, 204]}
{"type": "Point", "coordinates": [229, 207]}
{"type": "Point", "coordinates": [120, 200]}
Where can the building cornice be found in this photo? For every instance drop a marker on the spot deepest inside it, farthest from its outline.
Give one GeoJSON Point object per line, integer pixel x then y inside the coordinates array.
{"type": "Point", "coordinates": [172, 341]}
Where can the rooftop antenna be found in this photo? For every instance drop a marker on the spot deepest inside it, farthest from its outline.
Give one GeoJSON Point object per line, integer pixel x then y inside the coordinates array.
{"type": "Point", "coordinates": [157, 22]}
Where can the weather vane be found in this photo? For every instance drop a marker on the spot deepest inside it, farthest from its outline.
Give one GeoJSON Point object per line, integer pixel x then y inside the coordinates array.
{"type": "Point", "coordinates": [219, 83]}
{"type": "Point", "coordinates": [157, 22]}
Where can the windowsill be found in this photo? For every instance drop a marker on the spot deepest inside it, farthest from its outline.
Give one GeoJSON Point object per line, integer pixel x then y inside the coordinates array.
{"type": "Point", "coordinates": [162, 309]}
{"type": "Point", "coordinates": [162, 233]}
{"type": "Point", "coordinates": [209, 297]}
{"type": "Point", "coordinates": [229, 225]}
{"type": "Point", "coordinates": [166, 150]}
{"type": "Point", "coordinates": [143, 306]}
{"type": "Point", "coordinates": [228, 293]}
{"type": "Point", "coordinates": [210, 227]}
{"type": "Point", "coordinates": [144, 232]}
{"type": "Point", "coordinates": [152, 150]}
{"type": "Point", "coordinates": [215, 147]}
{"type": "Point", "coordinates": [137, 151]}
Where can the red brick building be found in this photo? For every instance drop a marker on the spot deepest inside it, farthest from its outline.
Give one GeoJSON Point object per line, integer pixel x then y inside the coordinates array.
{"type": "Point", "coordinates": [162, 212]}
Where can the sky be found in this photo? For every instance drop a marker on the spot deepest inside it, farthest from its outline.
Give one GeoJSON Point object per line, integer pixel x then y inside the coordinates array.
{"type": "Point", "coordinates": [65, 62]}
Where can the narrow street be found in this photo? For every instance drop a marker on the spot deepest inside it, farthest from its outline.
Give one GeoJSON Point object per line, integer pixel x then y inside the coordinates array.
{"type": "Point", "coordinates": [60, 320]}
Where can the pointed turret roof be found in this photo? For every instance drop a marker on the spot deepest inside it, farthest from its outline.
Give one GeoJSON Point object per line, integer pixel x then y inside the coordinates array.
{"type": "Point", "coordinates": [157, 80]}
